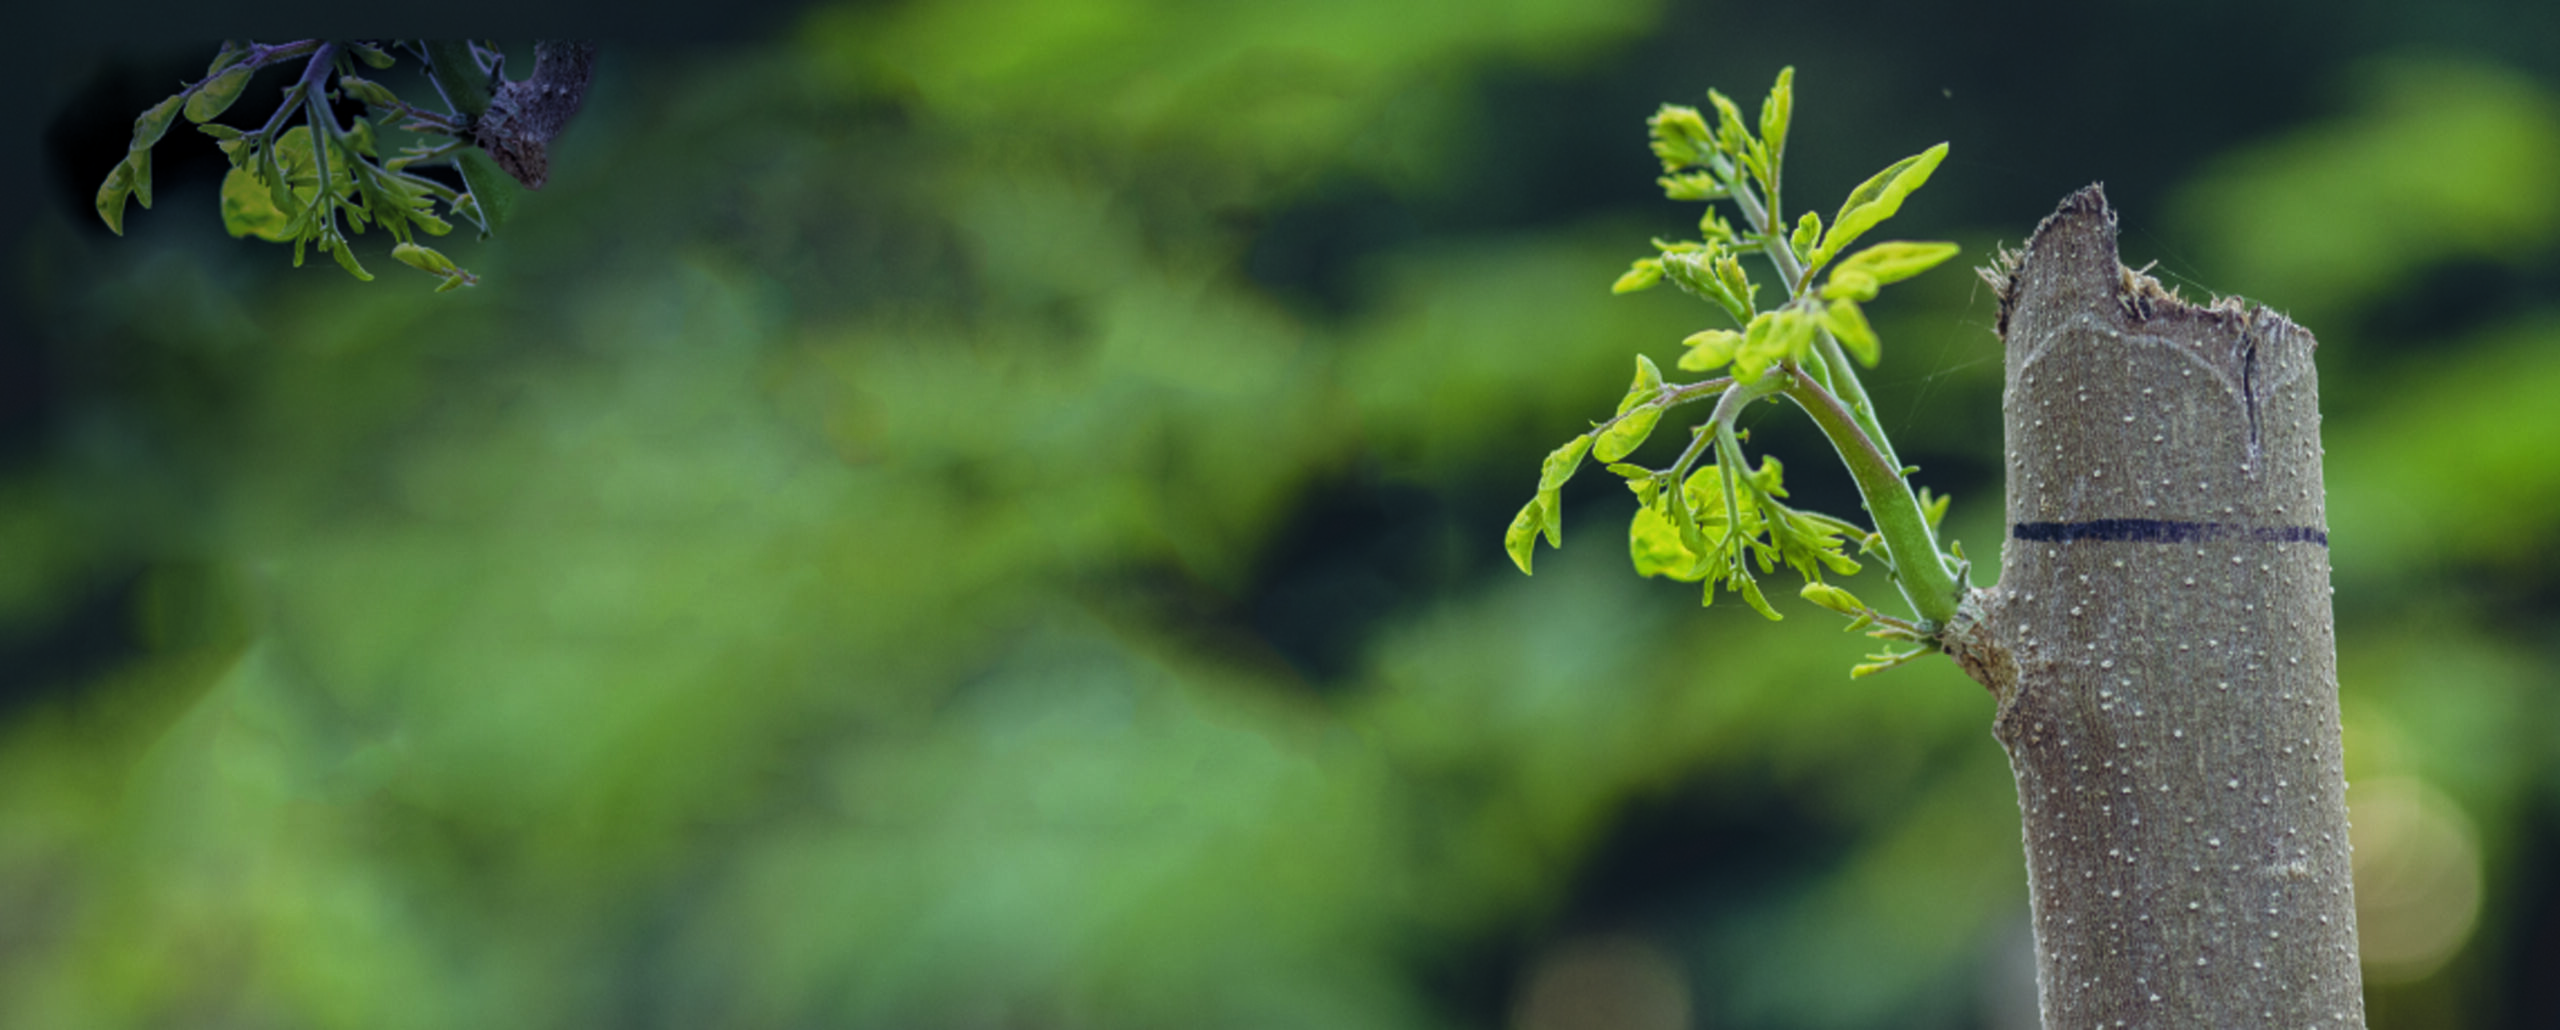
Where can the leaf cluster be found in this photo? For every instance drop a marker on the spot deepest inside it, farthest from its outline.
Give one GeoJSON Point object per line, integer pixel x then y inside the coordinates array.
{"type": "Point", "coordinates": [1699, 164]}
{"type": "Point", "coordinates": [1714, 523]}
{"type": "Point", "coordinates": [315, 183]}
{"type": "Point", "coordinates": [1705, 527]}
{"type": "Point", "coordinates": [1706, 533]}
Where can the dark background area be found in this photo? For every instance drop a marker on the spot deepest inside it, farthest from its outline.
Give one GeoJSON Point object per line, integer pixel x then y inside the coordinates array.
{"type": "Point", "coordinates": [988, 514]}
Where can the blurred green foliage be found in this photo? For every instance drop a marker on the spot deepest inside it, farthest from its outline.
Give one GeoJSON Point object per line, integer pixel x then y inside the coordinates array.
{"type": "Point", "coordinates": [830, 579]}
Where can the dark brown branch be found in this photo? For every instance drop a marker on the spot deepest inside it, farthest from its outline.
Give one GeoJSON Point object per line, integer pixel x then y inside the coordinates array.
{"type": "Point", "coordinates": [526, 115]}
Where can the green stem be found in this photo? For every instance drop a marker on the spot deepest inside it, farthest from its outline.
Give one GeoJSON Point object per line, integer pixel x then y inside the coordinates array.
{"type": "Point", "coordinates": [1827, 387]}
{"type": "Point", "coordinates": [1674, 396]}
{"type": "Point", "coordinates": [457, 75]}
{"type": "Point", "coordinates": [1677, 476]}
{"type": "Point", "coordinates": [432, 188]}
{"type": "Point", "coordinates": [1729, 452]}
{"type": "Point", "coordinates": [1683, 395]}
{"type": "Point", "coordinates": [1759, 217]}
{"type": "Point", "coordinates": [1843, 378]}
{"type": "Point", "coordinates": [325, 125]}
{"type": "Point", "coordinates": [1919, 570]}
{"type": "Point", "coordinates": [313, 73]}
{"type": "Point", "coordinates": [1819, 367]}
{"type": "Point", "coordinates": [1846, 385]}
{"type": "Point", "coordinates": [1728, 448]}
{"type": "Point", "coordinates": [262, 56]}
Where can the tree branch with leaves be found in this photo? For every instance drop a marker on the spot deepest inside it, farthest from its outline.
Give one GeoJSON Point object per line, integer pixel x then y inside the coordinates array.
{"type": "Point", "coordinates": [1715, 523]}
{"type": "Point", "coordinates": [314, 183]}
{"type": "Point", "coordinates": [2160, 647]}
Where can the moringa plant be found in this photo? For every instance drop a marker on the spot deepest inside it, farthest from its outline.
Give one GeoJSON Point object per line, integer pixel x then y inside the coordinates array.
{"type": "Point", "coordinates": [2160, 648]}
{"type": "Point", "coordinates": [294, 182]}
{"type": "Point", "coordinates": [1715, 522]}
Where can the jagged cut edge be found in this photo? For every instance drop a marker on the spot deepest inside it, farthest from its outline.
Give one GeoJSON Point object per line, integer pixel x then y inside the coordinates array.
{"type": "Point", "coordinates": [2002, 275]}
{"type": "Point", "coordinates": [2141, 297]}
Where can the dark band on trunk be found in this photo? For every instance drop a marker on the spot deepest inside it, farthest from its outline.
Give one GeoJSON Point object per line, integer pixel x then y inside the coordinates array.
{"type": "Point", "coordinates": [2165, 531]}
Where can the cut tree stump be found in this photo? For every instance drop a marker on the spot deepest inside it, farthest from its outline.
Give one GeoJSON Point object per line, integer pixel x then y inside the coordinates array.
{"type": "Point", "coordinates": [2162, 651]}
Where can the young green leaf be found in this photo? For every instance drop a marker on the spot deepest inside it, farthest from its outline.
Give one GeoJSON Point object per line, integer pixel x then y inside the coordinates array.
{"type": "Point", "coordinates": [1521, 540]}
{"type": "Point", "coordinates": [421, 206]}
{"type": "Point", "coordinates": [1646, 488]}
{"type": "Point", "coordinates": [1834, 598]}
{"type": "Point", "coordinates": [232, 52]}
{"type": "Point", "coordinates": [149, 126]}
{"type": "Point", "coordinates": [1686, 265]}
{"type": "Point", "coordinates": [1704, 491]}
{"type": "Point", "coordinates": [1622, 438]}
{"type": "Point", "coordinates": [293, 156]}
{"type": "Point", "coordinates": [1778, 110]}
{"type": "Point", "coordinates": [1648, 382]}
{"type": "Point", "coordinates": [1756, 354]}
{"type": "Point", "coordinates": [1881, 662]}
{"type": "Point", "coordinates": [454, 66]}
{"type": "Point", "coordinates": [1709, 350]}
{"type": "Point", "coordinates": [1693, 186]}
{"type": "Point", "coordinates": [359, 138]}
{"type": "Point", "coordinates": [1761, 164]}
{"type": "Point", "coordinates": [1849, 284]}
{"type": "Point", "coordinates": [1714, 229]}
{"type": "Point", "coordinates": [1821, 543]}
{"type": "Point", "coordinates": [1849, 325]}
{"type": "Point", "coordinates": [1808, 231]}
{"type": "Point", "coordinates": [1737, 283]}
{"type": "Point", "coordinates": [493, 191]}
{"type": "Point", "coordinates": [1643, 276]}
{"type": "Point", "coordinates": [1562, 462]}
{"type": "Point", "coordinates": [1731, 136]}
{"type": "Point", "coordinates": [1895, 261]}
{"type": "Point", "coordinates": [1772, 337]}
{"type": "Point", "coordinates": [218, 93]}
{"type": "Point", "coordinates": [337, 247]}
{"type": "Point", "coordinates": [111, 194]}
{"type": "Point", "coordinates": [424, 259]}
{"type": "Point", "coordinates": [248, 208]}
{"type": "Point", "coordinates": [140, 162]}
{"type": "Point", "coordinates": [373, 56]}
{"type": "Point", "coordinates": [1680, 137]}
{"type": "Point", "coordinates": [1876, 200]}
{"type": "Point", "coordinates": [1750, 591]}
{"type": "Point", "coordinates": [270, 173]}
{"type": "Point", "coordinates": [1551, 516]}
{"type": "Point", "coordinates": [1934, 508]}
{"type": "Point", "coordinates": [428, 260]}
{"type": "Point", "coordinates": [1697, 272]}
{"type": "Point", "coordinates": [1653, 543]}
{"type": "Point", "coordinates": [1770, 477]}
{"type": "Point", "coordinates": [369, 91]}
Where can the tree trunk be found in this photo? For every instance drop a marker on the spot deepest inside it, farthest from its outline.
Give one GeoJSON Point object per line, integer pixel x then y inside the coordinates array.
{"type": "Point", "coordinates": [2162, 651]}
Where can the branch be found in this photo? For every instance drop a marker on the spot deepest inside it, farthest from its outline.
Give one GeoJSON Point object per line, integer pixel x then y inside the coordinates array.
{"type": "Point", "coordinates": [1919, 570]}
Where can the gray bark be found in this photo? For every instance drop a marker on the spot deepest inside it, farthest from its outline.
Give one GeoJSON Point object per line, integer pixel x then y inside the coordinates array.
{"type": "Point", "coordinates": [524, 117]}
{"type": "Point", "coordinates": [2162, 651]}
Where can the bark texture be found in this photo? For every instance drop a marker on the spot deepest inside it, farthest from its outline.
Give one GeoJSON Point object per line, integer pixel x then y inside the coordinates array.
{"type": "Point", "coordinates": [2162, 649]}
{"type": "Point", "coordinates": [525, 116]}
